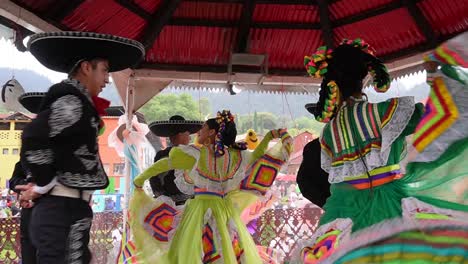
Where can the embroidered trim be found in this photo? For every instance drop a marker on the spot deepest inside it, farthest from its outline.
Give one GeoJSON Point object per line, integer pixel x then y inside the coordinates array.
{"type": "Point", "coordinates": [87, 158]}
{"type": "Point", "coordinates": [75, 243]}
{"type": "Point", "coordinates": [65, 112]}
{"type": "Point", "coordinates": [40, 156]}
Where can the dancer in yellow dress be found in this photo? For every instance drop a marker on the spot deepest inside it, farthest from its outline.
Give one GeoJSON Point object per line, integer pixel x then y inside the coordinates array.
{"type": "Point", "coordinates": [224, 179]}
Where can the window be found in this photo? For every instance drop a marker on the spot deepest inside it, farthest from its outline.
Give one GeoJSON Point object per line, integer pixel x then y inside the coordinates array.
{"type": "Point", "coordinates": [5, 151]}
{"type": "Point", "coordinates": [106, 168]}
{"type": "Point", "coordinates": [15, 151]}
{"type": "Point", "coordinates": [4, 125]}
{"type": "Point", "coordinates": [21, 125]}
{"type": "Point", "coordinates": [119, 168]}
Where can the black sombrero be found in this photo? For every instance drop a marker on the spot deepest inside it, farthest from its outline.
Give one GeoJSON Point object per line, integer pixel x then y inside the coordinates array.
{"type": "Point", "coordinates": [176, 124]}
{"type": "Point", "coordinates": [311, 107]}
{"type": "Point", "coordinates": [31, 101]}
{"type": "Point", "coordinates": [61, 51]}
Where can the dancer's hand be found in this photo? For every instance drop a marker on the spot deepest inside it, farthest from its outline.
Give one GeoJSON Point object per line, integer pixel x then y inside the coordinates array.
{"type": "Point", "coordinates": [430, 66]}
{"type": "Point", "coordinates": [137, 183]}
{"type": "Point", "coordinates": [276, 133]}
{"type": "Point", "coordinates": [27, 192]}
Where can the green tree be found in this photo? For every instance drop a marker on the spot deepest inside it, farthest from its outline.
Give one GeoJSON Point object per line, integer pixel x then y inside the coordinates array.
{"type": "Point", "coordinates": [255, 121]}
{"type": "Point", "coordinates": [163, 106]}
{"type": "Point", "coordinates": [205, 107]}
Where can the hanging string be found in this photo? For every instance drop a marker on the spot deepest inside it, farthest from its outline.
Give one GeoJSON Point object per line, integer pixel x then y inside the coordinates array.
{"type": "Point", "coordinates": [285, 99]}
{"type": "Point", "coordinates": [199, 96]}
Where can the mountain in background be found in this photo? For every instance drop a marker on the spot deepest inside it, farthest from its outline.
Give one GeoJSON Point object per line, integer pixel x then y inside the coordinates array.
{"type": "Point", "coordinates": [289, 105]}
{"type": "Point", "coordinates": [34, 82]}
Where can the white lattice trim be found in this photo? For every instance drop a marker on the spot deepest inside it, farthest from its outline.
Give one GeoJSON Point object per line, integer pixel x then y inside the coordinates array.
{"type": "Point", "coordinates": [393, 129]}
{"type": "Point", "coordinates": [411, 206]}
{"type": "Point", "coordinates": [182, 184]}
{"type": "Point", "coordinates": [386, 229]}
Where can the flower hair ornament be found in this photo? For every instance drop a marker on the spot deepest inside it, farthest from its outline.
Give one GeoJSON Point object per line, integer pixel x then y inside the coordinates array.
{"type": "Point", "coordinates": [378, 70]}
{"type": "Point", "coordinates": [224, 118]}
{"type": "Point", "coordinates": [317, 64]}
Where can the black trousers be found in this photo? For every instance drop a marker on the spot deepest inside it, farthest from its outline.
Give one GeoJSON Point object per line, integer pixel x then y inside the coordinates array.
{"type": "Point", "coordinates": [28, 251]}
{"type": "Point", "coordinates": [59, 230]}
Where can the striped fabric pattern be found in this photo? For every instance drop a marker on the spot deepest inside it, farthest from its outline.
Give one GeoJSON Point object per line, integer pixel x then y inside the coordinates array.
{"type": "Point", "coordinates": [441, 245]}
{"type": "Point", "coordinates": [379, 176]}
{"type": "Point", "coordinates": [362, 118]}
{"type": "Point", "coordinates": [441, 112]}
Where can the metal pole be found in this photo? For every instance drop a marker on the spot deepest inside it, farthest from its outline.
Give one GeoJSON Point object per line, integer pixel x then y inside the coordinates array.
{"type": "Point", "coordinates": [129, 102]}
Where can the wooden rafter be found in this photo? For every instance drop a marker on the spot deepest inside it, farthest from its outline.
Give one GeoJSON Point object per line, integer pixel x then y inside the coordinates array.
{"type": "Point", "coordinates": [276, 2]}
{"type": "Point", "coordinates": [421, 21]}
{"type": "Point", "coordinates": [62, 9]}
{"type": "Point", "coordinates": [219, 69]}
{"type": "Point", "coordinates": [158, 20]}
{"type": "Point", "coordinates": [135, 8]}
{"type": "Point", "coordinates": [327, 30]}
{"type": "Point", "coordinates": [244, 26]}
{"type": "Point", "coordinates": [41, 16]}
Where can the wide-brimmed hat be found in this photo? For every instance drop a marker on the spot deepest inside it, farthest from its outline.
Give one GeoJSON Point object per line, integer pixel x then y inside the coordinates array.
{"type": "Point", "coordinates": [61, 51]}
{"type": "Point", "coordinates": [175, 125]}
{"type": "Point", "coordinates": [32, 101]}
{"type": "Point", "coordinates": [311, 107]}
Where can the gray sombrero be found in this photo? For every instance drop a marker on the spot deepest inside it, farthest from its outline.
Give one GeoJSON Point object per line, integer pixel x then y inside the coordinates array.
{"type": "Point", "coordinates": [32, 101]}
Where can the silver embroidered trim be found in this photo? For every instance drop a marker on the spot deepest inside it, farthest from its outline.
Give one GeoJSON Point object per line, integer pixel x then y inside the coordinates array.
{"type": "Point", "coordinates": [66, 111]}
{"type": "Point", "coordinates": [87, 158]}
{"type": "Point", "coordinates": [40, 156]}
{"type": "Point", "coordinates": [75, 243]}
{"type": "Point", "coordinates": [79, 180]}
{"type": "Point", "coordinates": [94, 123]}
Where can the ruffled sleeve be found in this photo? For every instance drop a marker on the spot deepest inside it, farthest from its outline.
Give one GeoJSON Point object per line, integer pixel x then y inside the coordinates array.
{"type": "Point", "coordinates": [396, 115]}
{"type": "Point", "coordinates": [178, 159]}
{"type": "Point", "coordinates": [264, 168]}
{"type": "Point", "coordinates": [183, 178]}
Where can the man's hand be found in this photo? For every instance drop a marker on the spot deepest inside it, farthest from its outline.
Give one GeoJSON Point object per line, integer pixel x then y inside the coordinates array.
{"type": "Point", "coordinates": [27, 193]}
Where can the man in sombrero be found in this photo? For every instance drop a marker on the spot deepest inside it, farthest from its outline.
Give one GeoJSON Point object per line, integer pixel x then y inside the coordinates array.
{"type": "Point", "coordinates": [60, 147]}
{"type": "Point", "coordinates": [178, 130]}
{"type": "Point", "coordinates": [22, 177]}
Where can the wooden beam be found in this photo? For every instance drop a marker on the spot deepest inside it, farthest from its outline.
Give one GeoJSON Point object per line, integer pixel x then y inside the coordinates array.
{"type": "Point", "coordinates": [19, 33]}
{"type": "Point", "coordinates": [282, 25]}
{"type": "Point", "coordinates": [202, 23]}
{"type": "Point", "coordinates": [276, 2]}
{"type": "Point", "coordinates": [158, 20]}
{"type": "Point", "coordinates": [135, 8]}
{"type": "Point", "coordinates": [218, 69]}
{"type": "Point", "coordinates": [26, 18]}
{"type": "Point", "coordinates": [327, 31]}
{"type": "Point", "coordinates": [192, 22]}
{"type": "Point", "coordinates": [367, 14]}
{"type": "Point", "coordinates": [244, 26]}
{"type": "Point", "coordinates": [61, 9]}
{"type": "Point", "coordinates": [421, 21]}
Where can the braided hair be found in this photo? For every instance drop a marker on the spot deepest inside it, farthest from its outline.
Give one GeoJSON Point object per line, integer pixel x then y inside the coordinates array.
{"type": "Point", "coordinates": [226, 132]}
{"type": "Point", "coordinates": [343, 75]}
